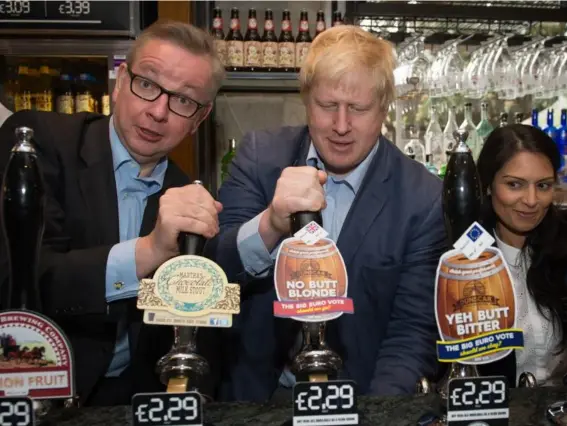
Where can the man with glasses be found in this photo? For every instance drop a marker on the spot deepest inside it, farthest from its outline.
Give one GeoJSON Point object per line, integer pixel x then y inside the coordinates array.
{"type": "Point", "coordinates": [116, 205]}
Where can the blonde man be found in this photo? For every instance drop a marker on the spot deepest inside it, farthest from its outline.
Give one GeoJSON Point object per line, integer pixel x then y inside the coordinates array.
{"type": "Point", "coordinates": [117, 204]}
{"type": "Point", "coordinates": [383, 209]}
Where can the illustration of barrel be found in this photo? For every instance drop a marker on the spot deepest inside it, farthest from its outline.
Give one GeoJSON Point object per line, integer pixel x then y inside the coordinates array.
{"type": "Point", "coordinates": [470, 286]}
{"type": "Point", "coordinates": [310, 268]}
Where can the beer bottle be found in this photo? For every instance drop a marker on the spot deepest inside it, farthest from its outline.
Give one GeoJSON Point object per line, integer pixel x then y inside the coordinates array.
{"type": "Point", "coordinates": [84, 96]}
{"type": "Point", "coordinates": [105, 103]}
{"type": "Point", "coordinates": [23, 95]}
{"type": "Point", "coordinates": [320, 26]}
{"type": "Point", "coordinates": [252, 44]}
{"type": "Point", "coordinates": [10, 89]}
{"type": "Point", "coordinates": [33, 81]}
{"type": "Point", "coordinates": [65, 97]}
{"type": "Point", "coordinates": [218, 35]}
{"type": "Point", "coordinates": [286, 48]}
{"type": "Point", "coordinates": [518, 118]}
{"type": "Point", "coordinates": [303, 39]}
{"type": "Point", "coordinates": [269, 43]}
{"type": "Point", "coordinates": [227, 159]}
{"type": "Point", "coordinates": [235, 43]}
{"type": "Point", "coordinates": [44, 99]}
{"type": "Point", "coordinates": [337, 18]}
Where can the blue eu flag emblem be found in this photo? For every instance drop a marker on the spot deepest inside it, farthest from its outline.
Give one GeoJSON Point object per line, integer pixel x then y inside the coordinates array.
{"type": "Point", "coordinates": [475, 233]}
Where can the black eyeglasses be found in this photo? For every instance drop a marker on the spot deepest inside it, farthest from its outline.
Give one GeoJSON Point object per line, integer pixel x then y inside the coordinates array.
{"type": "Point", "coordinates": [150, 91]}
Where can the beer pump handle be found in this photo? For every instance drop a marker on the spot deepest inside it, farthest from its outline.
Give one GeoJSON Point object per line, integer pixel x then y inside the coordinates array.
{"type": "Point", "coordinates": [301, 219]}
{"type": "Point", "coordinates": [461, 136]}
{"type": "Point", "coordinates": [23, 209]}
{"type": "Point", "coordinates": [190, 243]}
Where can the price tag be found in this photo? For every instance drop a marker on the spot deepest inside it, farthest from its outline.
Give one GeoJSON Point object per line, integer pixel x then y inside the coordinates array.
{"type": "Point", "coordinates": [325, 403]}
{"type": "Point", "coordinates": [478, 399]}
{"type": "Point", "coordinates": [16, 411]}
{"type": "Point", "coordinates": [167, 409]}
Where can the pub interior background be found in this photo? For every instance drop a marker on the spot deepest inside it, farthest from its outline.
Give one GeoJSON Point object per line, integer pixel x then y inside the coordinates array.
{"type": "Point", "coordinates": [509, 55]}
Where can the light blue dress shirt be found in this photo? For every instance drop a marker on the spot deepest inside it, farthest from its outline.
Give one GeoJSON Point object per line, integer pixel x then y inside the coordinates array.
{"type": "Point", "coordinates": [340, 192]}
{"type": "Point", "coordinates": [121, 279]}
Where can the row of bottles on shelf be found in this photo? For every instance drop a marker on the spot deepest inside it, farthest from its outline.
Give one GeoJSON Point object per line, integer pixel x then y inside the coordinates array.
{"type": "Point", "coordinates": [434, 154]}
{"type": "Point", "coordinates": [268, 52]}
{"type": "Point", "coordinates": [439, 144]}
{"type": "Point", "coordinates": [51, 89]}
{"type": "Point", "coordinates": [558, 134]}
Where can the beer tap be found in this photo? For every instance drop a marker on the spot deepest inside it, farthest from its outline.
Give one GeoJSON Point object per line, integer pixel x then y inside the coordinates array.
{"type": "Point", "coordinates": [182, 367]}
{"type": "Point", "coordinates": [23, 209]}
{"type": "Point", "coordinates": [462, 198]}
{"type": "Point", "coordinates": [23, 199]}
{"type": "Point", "coordinates": [315, 360]}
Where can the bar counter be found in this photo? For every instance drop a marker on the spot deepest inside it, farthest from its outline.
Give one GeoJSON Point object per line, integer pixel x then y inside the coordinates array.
{"type": "Point", "coordinates": [527, 407]}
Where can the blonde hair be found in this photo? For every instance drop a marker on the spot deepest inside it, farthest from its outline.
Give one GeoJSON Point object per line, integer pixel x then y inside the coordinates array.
{"type": "Point", "coordinates": [186, 36]}
{"type": "Point", "coordinates": [347, 48]}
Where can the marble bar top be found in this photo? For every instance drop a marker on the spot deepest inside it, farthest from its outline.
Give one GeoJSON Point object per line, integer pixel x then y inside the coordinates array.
{"type": "Point", "coordinates": [527, 407]}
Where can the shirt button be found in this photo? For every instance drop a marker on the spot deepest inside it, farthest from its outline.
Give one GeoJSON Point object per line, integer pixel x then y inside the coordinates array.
{"type": "Point", "coordinates": [118, 285]}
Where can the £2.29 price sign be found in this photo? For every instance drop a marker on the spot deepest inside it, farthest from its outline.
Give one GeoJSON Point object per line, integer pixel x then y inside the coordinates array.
{"type": "Point", "coordinates": [478, 399]}
{"type": "Point", "coordinates": [16, 411]}
{"type": "Point", "coordinates": [325, 403]}
{"type": "Point", "coordinates": [167, 409]}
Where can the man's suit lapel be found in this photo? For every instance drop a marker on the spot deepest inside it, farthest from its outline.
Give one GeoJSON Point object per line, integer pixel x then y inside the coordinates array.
{"type": "Point", "coordinates": [98, 184]}
{"type": "Point", "coordinates": [372, 196]}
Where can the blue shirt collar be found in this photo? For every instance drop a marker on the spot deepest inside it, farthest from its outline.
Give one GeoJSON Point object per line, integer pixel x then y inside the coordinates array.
{"type": "Point", "coordinates": [120, 156]}
{"type": "Point", "coordinates": [354, 178]}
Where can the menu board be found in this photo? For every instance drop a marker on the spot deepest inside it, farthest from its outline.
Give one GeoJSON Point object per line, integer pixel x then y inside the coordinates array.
{"type": "Point", "coordinates": [66, 15]}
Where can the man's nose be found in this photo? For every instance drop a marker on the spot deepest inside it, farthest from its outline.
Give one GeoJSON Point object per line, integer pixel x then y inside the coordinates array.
{"type": "Point", "coordinates": [159, 109]}
{"type": "Point", "coordinates": [341, 124]}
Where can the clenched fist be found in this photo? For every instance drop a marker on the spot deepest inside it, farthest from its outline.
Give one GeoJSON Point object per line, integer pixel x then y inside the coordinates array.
{"type": "Point", "coordinates": [187, 209]}
{"type": "Point", "coordinates": [298, 189]}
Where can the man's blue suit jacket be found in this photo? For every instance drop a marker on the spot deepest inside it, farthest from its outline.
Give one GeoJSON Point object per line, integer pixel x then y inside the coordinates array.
{"type": "Point", "coordinates": [391, 242]}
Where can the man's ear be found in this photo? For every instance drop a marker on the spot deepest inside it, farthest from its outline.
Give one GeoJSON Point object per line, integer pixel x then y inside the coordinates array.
{"type": "Point", "coordinates": [121, 79]}
{"type": "Point", "coordinates": [201, 115]}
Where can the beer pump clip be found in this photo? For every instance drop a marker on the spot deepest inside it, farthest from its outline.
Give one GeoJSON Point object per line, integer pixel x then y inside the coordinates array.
{"type": "Point", "coordinates": [311, 284]}
{"type": "Point", "coordinates": [36, 360]}
{"type": "Point", "coordinates": [186, 292]}
{"type": "Point", "coordinates": [475, 304]}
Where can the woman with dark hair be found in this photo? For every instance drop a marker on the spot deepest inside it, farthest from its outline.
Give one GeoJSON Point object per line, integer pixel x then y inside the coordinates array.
{"type": "Point", "coordinates": [518, 171]}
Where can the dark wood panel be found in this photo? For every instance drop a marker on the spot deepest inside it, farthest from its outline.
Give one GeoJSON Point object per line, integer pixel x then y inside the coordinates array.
{"type": "Point", "coordinates": [184, 154]}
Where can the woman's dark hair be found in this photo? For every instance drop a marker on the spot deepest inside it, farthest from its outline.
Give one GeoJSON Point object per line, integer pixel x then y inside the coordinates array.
{"type": "Point", "coordinates": [546, 245]}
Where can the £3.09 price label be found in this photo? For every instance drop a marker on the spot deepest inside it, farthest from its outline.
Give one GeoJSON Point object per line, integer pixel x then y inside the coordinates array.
{"type": "Point", "coordinates": [325, 403]}
{"type": "Point", "coordinates": [167, 409]}
{"type": "Point", "coordinates": [16, 411]}
{"type": "Point", "coordinates": [478, 399]}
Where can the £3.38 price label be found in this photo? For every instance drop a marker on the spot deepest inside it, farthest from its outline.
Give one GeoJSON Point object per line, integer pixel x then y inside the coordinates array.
{"type": "Point", "coordinates": [167, 409]}
{"type": "Point", "coordinates": [325, 403]}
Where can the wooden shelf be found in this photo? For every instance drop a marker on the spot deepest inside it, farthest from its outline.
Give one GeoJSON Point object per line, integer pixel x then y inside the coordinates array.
{"type": "Point", "coordinates": [269, 82]}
